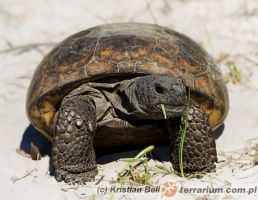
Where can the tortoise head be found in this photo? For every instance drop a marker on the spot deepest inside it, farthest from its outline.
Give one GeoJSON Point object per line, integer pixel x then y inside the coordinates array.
{"type": "Point", "coordinates": [149, 93]}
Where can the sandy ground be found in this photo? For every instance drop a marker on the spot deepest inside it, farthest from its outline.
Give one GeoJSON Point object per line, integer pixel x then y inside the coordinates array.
{"type": "Point", "coordinates": [228, 29]}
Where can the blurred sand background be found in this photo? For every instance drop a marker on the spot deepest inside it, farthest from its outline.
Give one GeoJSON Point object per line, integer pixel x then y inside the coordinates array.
{"type": "Point", "coordinates": [227, 29]}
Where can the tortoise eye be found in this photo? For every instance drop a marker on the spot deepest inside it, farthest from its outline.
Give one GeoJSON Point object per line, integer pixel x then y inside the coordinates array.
{"type": "Point", "coordinates": [159, 89]}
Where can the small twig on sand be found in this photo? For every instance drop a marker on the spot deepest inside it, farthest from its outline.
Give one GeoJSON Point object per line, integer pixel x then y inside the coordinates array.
{"type": "Point", "coordinates": [101, 178]}
{"type": "Point", "coordinates": [70, 188]}
{"type": "Point", "coordinates": [256, 155]}
{"type": "Point", "coordinates": [26, 47]}
{"type": "Point", "coordinates": [23, 153]}
{"type": "Point", "coordinates": [28, 173]}
{"type": "Point", "coordinates": [148, 6]}
{"type": "Point", "coordinates": [84, 196]}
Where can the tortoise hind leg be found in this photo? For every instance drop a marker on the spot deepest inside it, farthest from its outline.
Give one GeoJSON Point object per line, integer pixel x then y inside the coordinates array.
{"type": "Point", "coordinates": [199, 150]}
{"type": "Point", "coordinates": [73, 155]}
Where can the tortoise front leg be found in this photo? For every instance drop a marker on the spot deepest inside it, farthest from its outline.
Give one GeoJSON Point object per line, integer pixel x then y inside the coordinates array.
{"type": "Point", "coordinates": [73, 155]}
{"type": "Point", "coordinates": [199, 149]}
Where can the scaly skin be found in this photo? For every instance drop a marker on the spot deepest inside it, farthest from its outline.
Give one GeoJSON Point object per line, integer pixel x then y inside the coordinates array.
{"type": "Point", "coordinates": [199, 150]}
{"type": "Point", "coordinates": [73, 155]}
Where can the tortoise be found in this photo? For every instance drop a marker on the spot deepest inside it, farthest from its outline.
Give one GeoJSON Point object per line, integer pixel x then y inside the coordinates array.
{"type": "Point", "coordinates": [103, 88]}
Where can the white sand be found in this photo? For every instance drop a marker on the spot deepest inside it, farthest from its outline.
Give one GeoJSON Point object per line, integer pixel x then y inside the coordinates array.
{"type": "Point", "coordinates": [222, 26]}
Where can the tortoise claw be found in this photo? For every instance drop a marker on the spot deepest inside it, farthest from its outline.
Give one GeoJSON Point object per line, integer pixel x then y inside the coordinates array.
{"type": "Point", "coordinates": [80, 178]}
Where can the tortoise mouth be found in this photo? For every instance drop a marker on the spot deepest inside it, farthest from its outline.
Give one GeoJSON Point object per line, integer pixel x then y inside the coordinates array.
{"type": "Point", "coordinates": [171, 111]}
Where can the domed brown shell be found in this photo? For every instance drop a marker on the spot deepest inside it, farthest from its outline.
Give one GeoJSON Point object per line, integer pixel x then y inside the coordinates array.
{"type": "Point", "coordinates": [126, 49]}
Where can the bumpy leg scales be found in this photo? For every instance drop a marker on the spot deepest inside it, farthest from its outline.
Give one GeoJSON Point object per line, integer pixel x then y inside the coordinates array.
{"type": "Point", "coordinates": [199, 150]}
{"type": "Point", "coordinates": [73, 155]}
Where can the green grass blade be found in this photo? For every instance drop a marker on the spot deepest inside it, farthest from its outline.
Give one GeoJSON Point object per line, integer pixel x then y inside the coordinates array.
{"type": "Point", "coordinates": [181, 145]}
{"type": "Point", "coordinates": [145, 151]}
{"type": "Point", "coordinates": [163, 110]}
{"type": "Point", "coordinates": [136, 158]}
{"type": "Point", "coordinates": [131, 160]}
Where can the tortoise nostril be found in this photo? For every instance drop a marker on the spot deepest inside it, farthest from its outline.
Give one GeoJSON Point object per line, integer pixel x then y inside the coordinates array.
{"type": "Point", "coordinates": [159, 89]}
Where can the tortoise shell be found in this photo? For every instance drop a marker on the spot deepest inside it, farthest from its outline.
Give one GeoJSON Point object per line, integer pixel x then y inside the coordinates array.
{"type": "Point", "coordinates": [124, 50]}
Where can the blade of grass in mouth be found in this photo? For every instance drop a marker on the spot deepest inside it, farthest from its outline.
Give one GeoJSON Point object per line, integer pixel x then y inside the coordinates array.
{"type": "Point", "coordinates": [163, 110]}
